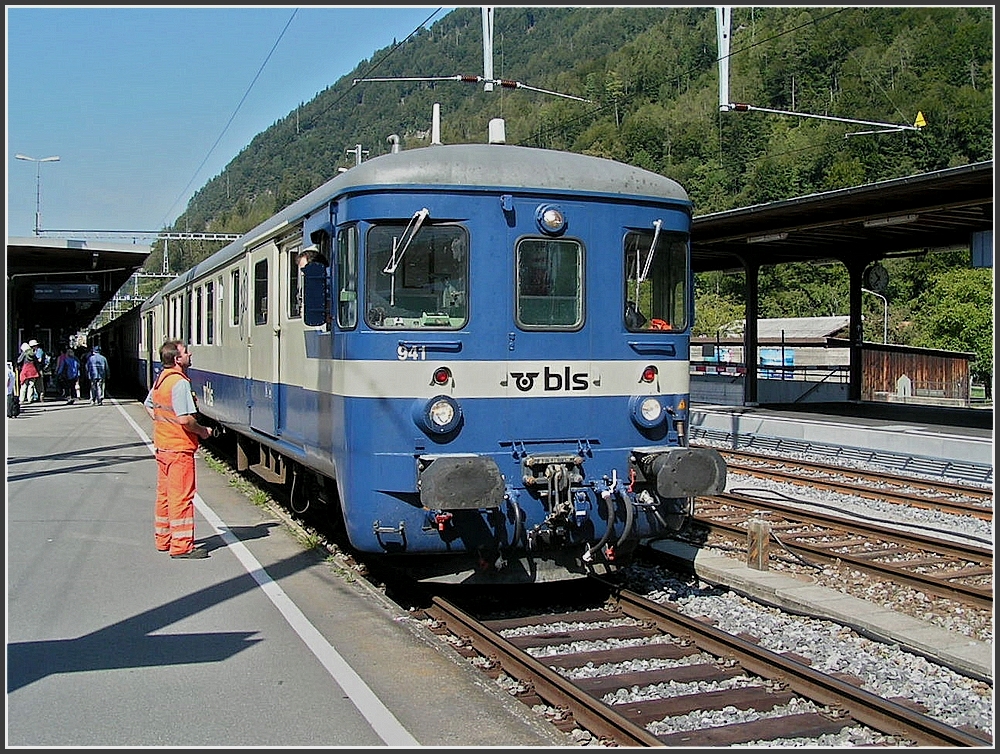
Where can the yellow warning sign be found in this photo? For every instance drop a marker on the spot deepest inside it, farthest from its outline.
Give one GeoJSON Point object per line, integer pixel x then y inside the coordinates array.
{"type": "Point", "coordinates": [919, 122]}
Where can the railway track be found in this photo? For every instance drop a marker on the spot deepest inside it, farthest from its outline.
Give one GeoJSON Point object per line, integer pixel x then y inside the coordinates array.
{"type": "Point", "coordinates": [947, 497]}
{"type": "Point", "coordinates": [845, 455]}
{"type": "Point", "coordinates": [955, 570]}
{"type": "Point", "coordinates": [688, 666]}
{"type": "Point", "coordinates": [673, 659]}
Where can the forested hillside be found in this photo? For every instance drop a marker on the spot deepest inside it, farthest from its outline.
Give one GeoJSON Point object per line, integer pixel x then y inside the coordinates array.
{"type": "Point", "coordinates": [652, 77]}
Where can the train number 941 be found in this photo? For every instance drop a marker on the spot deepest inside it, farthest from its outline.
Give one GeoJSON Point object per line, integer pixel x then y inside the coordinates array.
{"type": "Point", "coordinates": [411, 353]}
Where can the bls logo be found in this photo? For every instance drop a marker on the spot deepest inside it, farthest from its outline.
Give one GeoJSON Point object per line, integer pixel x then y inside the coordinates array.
{"type": "Point", "coordinates": [208, 394]}
{"type": "Point", "coordinates": [552, 380]}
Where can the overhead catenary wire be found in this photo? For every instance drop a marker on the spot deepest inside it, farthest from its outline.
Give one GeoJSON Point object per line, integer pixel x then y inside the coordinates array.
{"type": "Point", "coordinates": [231, 117]}
{"type": "Point", "coordinates": [374, 66]}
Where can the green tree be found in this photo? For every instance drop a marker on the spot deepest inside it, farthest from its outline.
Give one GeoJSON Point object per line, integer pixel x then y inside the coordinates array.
{"type": "Point", "coordinates": [716, 313]}
{"type": "Point", "coordinates": [956, 314]}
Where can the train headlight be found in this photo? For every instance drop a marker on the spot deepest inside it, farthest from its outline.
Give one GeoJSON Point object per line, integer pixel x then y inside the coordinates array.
{"type": "Point", "coordinates": [441, 413]}
{"type": "Point", "coordinates": [438, 415]}
{"type": "Point", "coordinates": [647, 411]}
{"type": "Point", "coordinates": [550, 219]}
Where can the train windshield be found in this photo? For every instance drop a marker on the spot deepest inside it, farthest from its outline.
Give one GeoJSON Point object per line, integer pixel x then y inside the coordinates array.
{"type": "Point", "coordinates": [418, 280]}
{"type": "Point", "coordinates": [549, 284]}
{"type": "Point", "coordinates": [656, 274]}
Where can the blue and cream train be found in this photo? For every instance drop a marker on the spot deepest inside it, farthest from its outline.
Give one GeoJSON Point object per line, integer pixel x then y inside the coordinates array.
{"type": "Point", "coordinates": [476, 355]}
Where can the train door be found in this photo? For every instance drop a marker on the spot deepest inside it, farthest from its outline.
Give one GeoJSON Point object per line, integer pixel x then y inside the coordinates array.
{"type": "Point", "coordinates": [263, 340]}
{"type": "Point", "coordinates": [289, 346]}
{"type": "Point", "coordinates": [550, 352]}
{"type": "Point", "coordinates": [147, 352]}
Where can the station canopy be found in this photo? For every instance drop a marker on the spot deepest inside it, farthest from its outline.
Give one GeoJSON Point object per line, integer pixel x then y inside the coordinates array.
{"type": "Point", "coordinates": [935, 210]}
{"type": "Point", "coordinates": [59, 285]}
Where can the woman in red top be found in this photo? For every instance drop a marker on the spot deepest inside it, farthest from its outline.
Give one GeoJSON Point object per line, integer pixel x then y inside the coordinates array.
{"type": "Point", "coordinates": [29, 374]}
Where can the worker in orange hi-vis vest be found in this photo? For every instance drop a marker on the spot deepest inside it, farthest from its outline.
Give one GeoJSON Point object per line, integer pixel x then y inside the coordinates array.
{"type": "Point", "coordinates": [172, 405]}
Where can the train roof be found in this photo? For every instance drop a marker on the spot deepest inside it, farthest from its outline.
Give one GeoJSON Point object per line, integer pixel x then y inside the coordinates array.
{"type": "Point", "coordinates": [502, 166]}
{"type": "Point", "coordinates": [467, 167]}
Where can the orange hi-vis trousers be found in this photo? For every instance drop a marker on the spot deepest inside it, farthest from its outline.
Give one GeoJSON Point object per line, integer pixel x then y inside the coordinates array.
{"type": "Point", "coordinates": [174, 513]}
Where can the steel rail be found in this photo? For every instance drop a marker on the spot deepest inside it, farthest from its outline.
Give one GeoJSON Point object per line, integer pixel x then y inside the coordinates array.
{"type": "Point", "coordinates": [789, 473]}
{"type": "Point", "coordinates": [863, 706]}
{"type": "Point", "coordinates": [935, 544]}
{"type": "Point", "coordinates": [940, 585]}
{"type": "Point", "coordinates": [591, 713]}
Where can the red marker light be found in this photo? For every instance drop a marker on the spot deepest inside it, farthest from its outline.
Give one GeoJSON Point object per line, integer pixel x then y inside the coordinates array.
{"type": "Point", "coordinates": [442, 375]}
{"type": "Point", "coordinates": [649, 374]}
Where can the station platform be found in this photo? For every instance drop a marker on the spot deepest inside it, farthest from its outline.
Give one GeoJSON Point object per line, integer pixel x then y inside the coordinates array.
{"type": "Point", "coordinates": [938, 439]}
{"type": "Point", "coordinates": [268, 642]}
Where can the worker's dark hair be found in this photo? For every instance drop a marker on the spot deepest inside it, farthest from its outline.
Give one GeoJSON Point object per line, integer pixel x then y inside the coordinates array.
{"type": "Point", "coordinates": [169, 352]}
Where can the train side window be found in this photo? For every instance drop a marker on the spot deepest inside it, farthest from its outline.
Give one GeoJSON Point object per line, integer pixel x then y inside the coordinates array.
{"type": "Point", "coordinates": [234, 319]}
{"type": "Point", "coordinates": [260, 292]}
{"type": "Point", "coordinates": [347, 278]}
{"type": "Point", "coordinates": [549, 284]}
{"type": "Point", "coordinates": [656, 291]}
{"type": "Point", "coordinates": [186, 318]}
{"type": "Point", "coordinates": [199, 308]}
{"type": "Point", "coordinates": [294, 283]}
{"type": "Point", "coordinates": [209, 312]}
{"type": "Point", "coordinates": [416, 281]}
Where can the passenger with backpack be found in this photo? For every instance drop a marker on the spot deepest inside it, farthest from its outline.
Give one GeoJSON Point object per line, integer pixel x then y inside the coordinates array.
{"type": "Point", "coordinates": [68, 375]}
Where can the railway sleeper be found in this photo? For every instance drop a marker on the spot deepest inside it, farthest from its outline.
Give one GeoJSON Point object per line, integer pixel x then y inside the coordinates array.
{"type": "Point", "coordinates": [663, 651]}
{"type": "Point", "coordinates": [805, 725]}
{"type": "Point", "coordinates": [759, 698]}
{"type": "Point", "coordinates": [577, 616]}
{"type": "Point", "coordinates": [606, 684]}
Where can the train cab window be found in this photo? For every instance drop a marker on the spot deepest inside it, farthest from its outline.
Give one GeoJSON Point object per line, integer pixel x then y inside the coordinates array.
{"type": "Point", "coordinates": [656, 290]}
{"type": "Point", "coordinates": [416, 280]}
{"type": "Point", "coordinates": [549, 284]}
{"type": "Point", "coordinates": [235, 293]}
{"type": "Point", "coordinates": [347, 278]}
{"type": "Point", "coordinates": [209, 313]}
{"type": "Point", "coordinates": [260, 292]}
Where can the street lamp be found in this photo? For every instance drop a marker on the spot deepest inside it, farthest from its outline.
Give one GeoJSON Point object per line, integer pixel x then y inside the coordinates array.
{"type": "Point", "coordinates": [38, 185]}
{"type": "Point", "coordinates": [885, 314]}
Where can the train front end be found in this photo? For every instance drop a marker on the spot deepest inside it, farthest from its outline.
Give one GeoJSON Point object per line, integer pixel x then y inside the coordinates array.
{"type": "Point", "coordinates": [516, 382]}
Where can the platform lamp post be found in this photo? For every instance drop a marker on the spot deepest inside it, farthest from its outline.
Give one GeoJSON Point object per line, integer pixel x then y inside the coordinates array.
{"type": "Point", "coordinates": [38, 186]}
{"type": "Point", "coordinates": [885, 314]}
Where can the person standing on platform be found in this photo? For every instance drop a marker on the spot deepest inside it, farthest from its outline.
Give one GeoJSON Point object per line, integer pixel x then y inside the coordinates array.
{"type": "Point", "coordinates": [42, 363]}
{"type": "Point", "coordinates": [97, 371]}
{"type": "Point", "coordinates": [172, 406]}
{"type": "Point", "coordinates": [68, 375]}
{"type": "Point", "coordinates": [59, 370]}
{"type": "Point", "coordinates": [29, 374]}
{"type": "Point", "coordinates": [13, 400]}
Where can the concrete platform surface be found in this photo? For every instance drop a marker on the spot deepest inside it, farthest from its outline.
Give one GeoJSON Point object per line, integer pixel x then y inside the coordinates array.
{"type": "Point", "coordinates": [265, 643]}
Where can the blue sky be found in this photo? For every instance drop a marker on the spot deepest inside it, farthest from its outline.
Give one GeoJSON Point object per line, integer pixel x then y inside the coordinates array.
{"type": "Point", "coordinates": [132, 99]}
